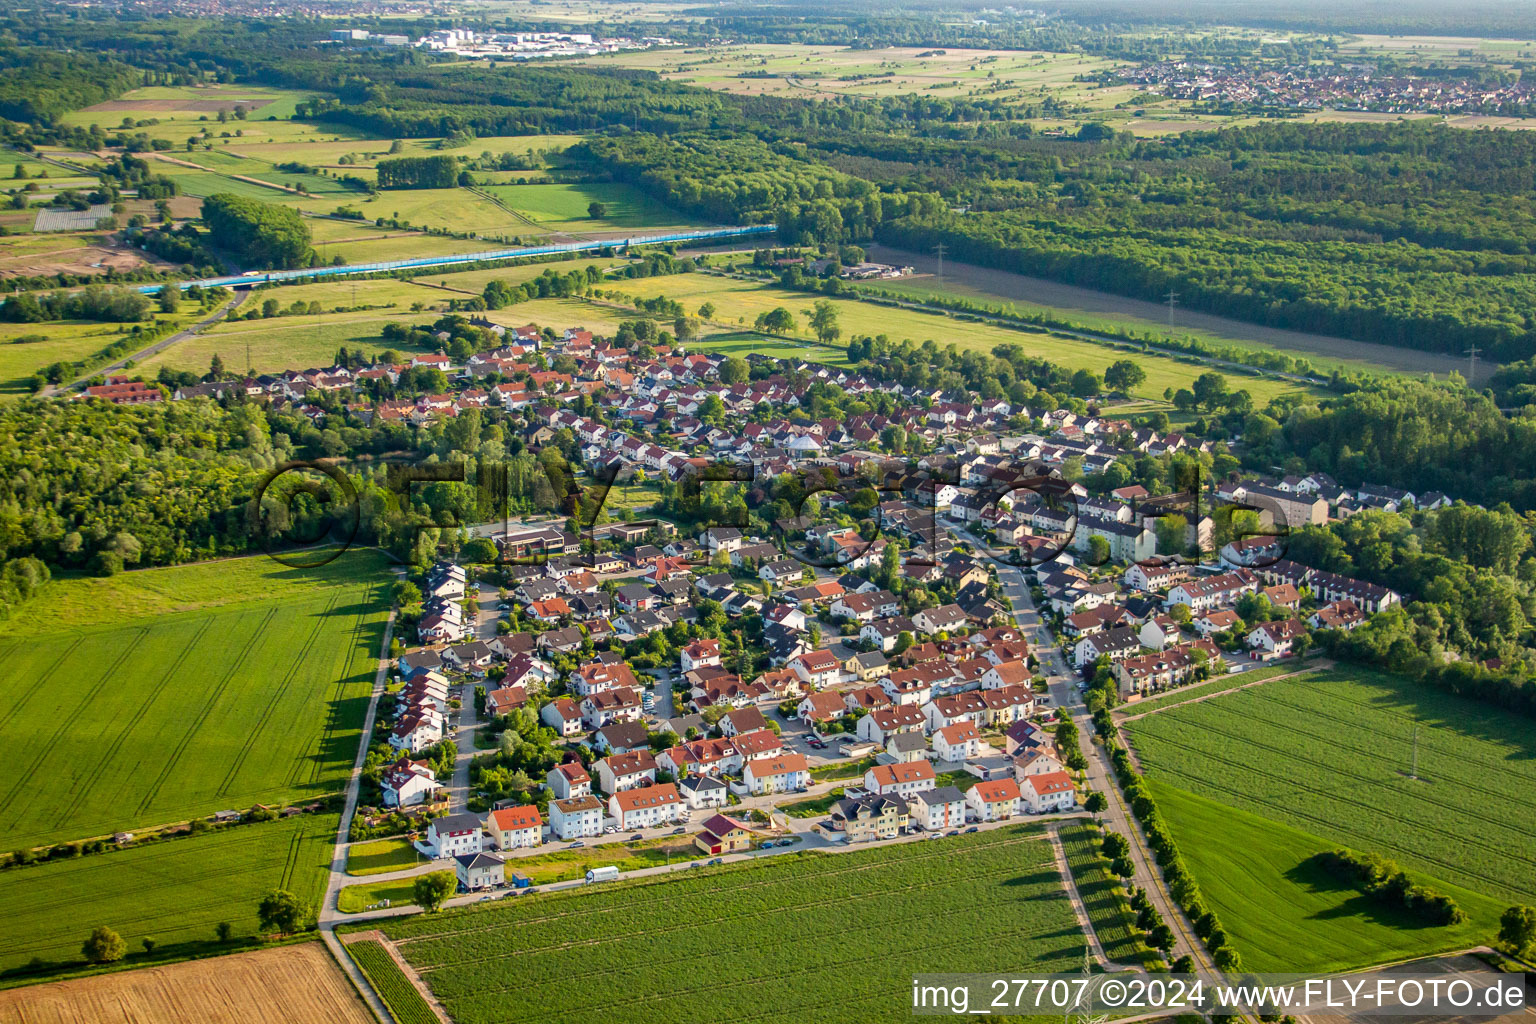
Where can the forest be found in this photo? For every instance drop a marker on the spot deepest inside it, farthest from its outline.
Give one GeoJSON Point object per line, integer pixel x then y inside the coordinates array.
{"type": "Point", "coordinates": [265, 235]}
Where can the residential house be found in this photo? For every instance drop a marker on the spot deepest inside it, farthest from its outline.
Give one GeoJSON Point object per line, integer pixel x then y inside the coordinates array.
{"type": "Point", "coordinates": [995, 800]}
{"type": "Point", "coordinates": [568, 780]}
{"type": "Point", "coordinates": [1338, 615]}
{"type": "Point", "coordinates": [881, 724]}
{"type": "Point", "coordinates": [513, 828]}
{"type": "Point", "coordinates": [1275, 639]}
{"type": "Point", "coordinates": [817, 668]}
{"type": "Point", "coordinates": [621, 738]}
{"type": "Point", "coordinates": [938, 809]}
{"type": "Point", "coordinates": [479, 870]}
{"type": "Point", "coordinates": [576, 817]}
{"type": "Point", "coordinates": [702, 792]}
{"type": "Point", "coordinates": [723, 835]}
{"type": "Point", "coordinates": [786, 773]}
{"type": "Point", "coordinates": [742, 720]}
{"type": "Point", "coordinates": [1048, 791]}
{"type": "Point", "coordinates": [958, 742]}
{"type": "Point", "coordinates": [946, 618]}
{"type": "Point", "coordinates": [902, 780]}
{"type": "Point", "coordinates": [647, 807]}
{"type": "Point", "coordinates": [453, 835]}
{"type": "Point", "coordinates": [619, 772]}
{"type": "Point", "coordinates": [562, 715]}
{"type": "Point", "coordinates": [407, 783]}
{"type": "Point", "coordinates": [868, 817]}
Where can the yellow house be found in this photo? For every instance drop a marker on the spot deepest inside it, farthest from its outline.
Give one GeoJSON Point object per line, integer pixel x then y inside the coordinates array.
{"type": "Point", "coordinates": [722, 834]}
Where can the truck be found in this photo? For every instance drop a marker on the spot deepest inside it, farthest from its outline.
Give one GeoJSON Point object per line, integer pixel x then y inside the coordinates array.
{"type": "Point", "coordinates": [603, 874]}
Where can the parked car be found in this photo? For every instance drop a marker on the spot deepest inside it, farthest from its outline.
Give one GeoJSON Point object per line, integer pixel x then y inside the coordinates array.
{"type": "Point", "coordinates": [678, 831]}
{"type": "Point", "coordinates": [815, 743]}
{"type": "Point", "coordinates": [578, 844]}
{"type": "Point", "coordinates": [717, 860]}
{"type": "Point", "coordinates": [971, 829]}
{"type": "Point", "coordinates": [636, 837]}
{"type": "Point", "coordinates": [953, 832]}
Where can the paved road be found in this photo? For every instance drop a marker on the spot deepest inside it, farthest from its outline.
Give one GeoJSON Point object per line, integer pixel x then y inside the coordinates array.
{"type": "Point", "coordinates": [159, 346]}
{"type": "Point", "coordinates": [1062, 684]}
{"type": "Point", "coordinates": [458, 788]}
{"type": "Point", "coordinates": [337, 877]}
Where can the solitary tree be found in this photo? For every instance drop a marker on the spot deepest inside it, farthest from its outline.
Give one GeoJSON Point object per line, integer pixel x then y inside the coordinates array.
{"type": "Point", "coordinates": [1124, 374]}
{"type": "Point", "coordinates": [281, 911]}
{"type": "Point", "coordinates": [1517, 929]}
{"type": "Point", "coordinates": [104, 946]}
{"type": "Point", "coordinates": [432, 890]}
{"type": "Point", "coordinates": [597, 210]}
{"type": "Point", "coordinates": [223, 930]}
{"type": "Point", "coordinates": [824, 322]}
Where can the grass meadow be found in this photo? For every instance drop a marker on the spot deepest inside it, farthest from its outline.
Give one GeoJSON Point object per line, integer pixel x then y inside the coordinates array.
{"type": "Point", "coordinates": [742, 301]}
{"type": "Point", "coordinates": [176, 892]}
{"type": "Point", "coordinates": [141, 701]}
{"type": "Point", "coordinates": [1333, 753]}
{"type": "Point", "coordinates": [788, 931]}
{"type": "Point", "coordinates": [1282, 913]}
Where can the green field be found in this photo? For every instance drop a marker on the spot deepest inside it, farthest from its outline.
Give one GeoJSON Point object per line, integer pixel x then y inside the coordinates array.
{"type": "Point", "coordinates": [1114, 922]}
{"type": "Point", "coordinates": [1284, 914]}
{"type": "Point", "coordinates": [564, 207]}
{"type": "Point", "coordinates": [170, 693]}
{"type": "Point", "coordinates": [837, 931]}
{"type": "Point", "coordinates": [176, 892]}
{"type": "Point", "coordinates": [741, 301]}
{"type": "Point", "coordinates": [390, 982]}
{"type": "Point", "coordinates": [382, 855]}
{"type": "Point", "coordinates": [1332, 751]}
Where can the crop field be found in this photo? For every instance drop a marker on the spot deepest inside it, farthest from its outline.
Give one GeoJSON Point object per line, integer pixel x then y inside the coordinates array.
{"type": "Point", "coordinates": [1333, 752]}
{"type": "Point", "coordinates": [787, 931]}
{"type": "Point", "coordinates": [743, 301]}
{"type": "Point", "coordinates": [175, 891]}
{"type": "Point", "coordinates": [59, 340]}
{"type": "Point", "coordinates": [153, 718]}
{"type": "Point", "coordinates": [1114, 922]}
{"type": "Point", "coordinates": [389, 981]}
{"type": "Point", "coordinates": [297, 984]}
{"type": "Point", "coordinates": [1284, 914]}
{"type": "Point", "coordinates": [281, 343]}
{"type": "Point", "coordinates": [182, 111]}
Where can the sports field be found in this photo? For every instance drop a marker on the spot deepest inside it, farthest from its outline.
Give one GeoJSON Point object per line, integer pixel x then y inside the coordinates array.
{"type": "Point", "coordinates": [1333, 752]}
{"type": "Point", "coordinates": [839, 931]}
{"type": "Point", "coordinates": [170, 693]}
{"type": "Point", "coordinates": [1283, 913]}
{"type": "Point", "coordinates": [176, 892]}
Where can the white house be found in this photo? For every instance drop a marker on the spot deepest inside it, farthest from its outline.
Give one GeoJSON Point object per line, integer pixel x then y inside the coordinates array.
{"type": "Point", "coordinates": [958, 742]}
{"type": "Point", "coordinates": [783, 774]}
{"type": "Point", "coordinates": [703, 792]}
{"type": "Point", "coordinates": [1048, 791]}
{"type": "Point", "coordinates": [575, 818]}
{"type": "Point", "coordinates": [647, 807]}
{"type": "Point", "coordinates": [407, 783]}
{"type": "Point", "coordinates": [562, 715]}
{"type": "Point", "coordinates": [700, 654]}
{"type": "Point", "coordinates": [568, 780]}
{"type": "Point", "coordinates": [903, 780]}
{"type": "Point", "coordinates": [416, 731]}
{"type": "Point", "coordinates": [817, 668]}
{"type": "Point", "coordinates": [453, 835]}
{"type": "Point", "coordinates": [626, 771]}
{"type": "Point", "coordinates": [479, 870]}
{"type": "Point", "coordinates": [881, 724]}
{"type": "Point", "coordinates": [938, 809]}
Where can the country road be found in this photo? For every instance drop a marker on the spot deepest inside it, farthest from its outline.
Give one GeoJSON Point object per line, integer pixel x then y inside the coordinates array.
{"type": "Point", "coordinates": [159, 346]}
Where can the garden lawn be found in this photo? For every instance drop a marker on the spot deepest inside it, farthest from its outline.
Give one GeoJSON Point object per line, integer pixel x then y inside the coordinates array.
{"type": "Point", "coordinates": [1331, 752]}
{"type": "Point", "coordinates": [175, 892]}
{"type": "Point", "coordinates": [161, 713]}
{"type": "Point", "coordinates": [787, 932]}
{"type": "Point", "coordinates": [1282, 913]}
{"type": "Point", "coordinates": [382, 855]}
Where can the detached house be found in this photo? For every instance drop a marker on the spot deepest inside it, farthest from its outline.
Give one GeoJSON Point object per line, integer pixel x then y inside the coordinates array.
{"type": "Point", "coordinates": [958, 742]}
{"type": "Point", "coordinates": [514, 828]}
{"type": "Point", "coordinates": [568, 780]}
{"type": "Point", "coordinates": [786, 773]}
{"type": "Point", "coordinates": [997, 800]}
{"type": "Point", "coordinates": [626, 771]}
{"type": "Point", "coordinates": [902, 780]}
{"type": "Point", "coordinates": [576, 817]}
{"type": "Point", "coordinates": [1049, 791]}
{"type": "Point", "coordinates": [938, 809]}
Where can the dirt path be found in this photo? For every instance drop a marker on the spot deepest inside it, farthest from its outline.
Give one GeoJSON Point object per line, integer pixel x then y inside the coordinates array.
{"type": "Point", "coordinates": [226, 174]}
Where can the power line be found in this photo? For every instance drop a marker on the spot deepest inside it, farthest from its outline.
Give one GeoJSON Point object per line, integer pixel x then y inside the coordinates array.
{"type": "Point", "coordinates": [939, 252]}
{"type": "Point", "coordinates": [1472, 368]}
{"type": "Point", "coordinates": [1172, 299]}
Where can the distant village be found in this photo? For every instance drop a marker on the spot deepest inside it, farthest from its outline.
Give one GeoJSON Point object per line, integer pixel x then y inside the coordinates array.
{"type": "Point", "coordinates": [1332, 87]}
{"type": "Point", "coordinates": [516, 46]}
